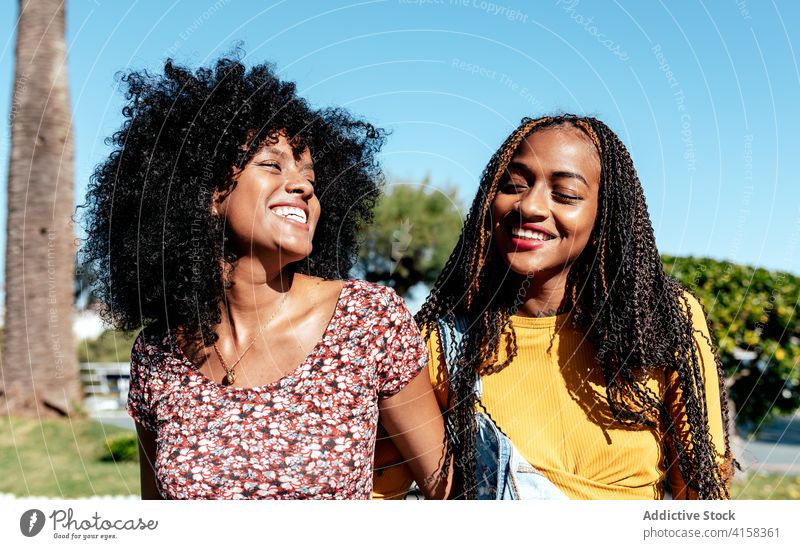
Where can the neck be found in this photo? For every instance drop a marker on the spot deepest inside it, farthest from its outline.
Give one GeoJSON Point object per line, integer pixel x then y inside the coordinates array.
{"type": "Point", "coordinates": [540, 295]}
{"type": "Point", "coordinates": [254, 296]}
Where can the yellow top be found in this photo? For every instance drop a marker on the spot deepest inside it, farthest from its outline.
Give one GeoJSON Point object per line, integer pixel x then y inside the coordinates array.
{"type": "Point", "coordinates": [551, 403]}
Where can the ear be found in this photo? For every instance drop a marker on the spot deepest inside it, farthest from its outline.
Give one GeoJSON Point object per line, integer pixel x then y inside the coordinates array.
{"type": "Point", "coordinates": [218, 202]}
{"type": "Point", "coordinates": [219, 196]}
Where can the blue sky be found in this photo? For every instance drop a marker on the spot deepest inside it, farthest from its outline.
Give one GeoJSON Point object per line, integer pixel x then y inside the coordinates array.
{"type": "Point", "coordinates": [704, 94]}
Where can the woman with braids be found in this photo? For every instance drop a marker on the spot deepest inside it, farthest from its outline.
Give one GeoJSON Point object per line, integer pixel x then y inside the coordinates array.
{"type": "Point", "coordinates": [223, 223]}
{"type": "Point", "coordinates": [553, 326]}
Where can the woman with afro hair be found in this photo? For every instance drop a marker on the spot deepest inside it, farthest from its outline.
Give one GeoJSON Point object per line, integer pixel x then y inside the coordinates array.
{"type": "Point", "coordinates": [224, 224]}
{"type": "Point", "coordinates": [555, 333]}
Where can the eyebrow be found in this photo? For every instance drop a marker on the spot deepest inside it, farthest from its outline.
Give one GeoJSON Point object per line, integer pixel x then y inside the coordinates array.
{"type": "Point", "coordinates": [276, 151]}
{"type": "Point", "coordinates": [571, 175]}
{"type": "Point", "coordinates": [518, 166]}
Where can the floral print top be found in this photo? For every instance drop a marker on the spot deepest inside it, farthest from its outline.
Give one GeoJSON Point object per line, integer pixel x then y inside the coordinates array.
{"type": "Point", "coordinates": [310, 434]}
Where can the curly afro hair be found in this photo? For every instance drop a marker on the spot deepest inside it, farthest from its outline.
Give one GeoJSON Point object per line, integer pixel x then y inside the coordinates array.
{"type": "Point", "coordinates": [155, 249]}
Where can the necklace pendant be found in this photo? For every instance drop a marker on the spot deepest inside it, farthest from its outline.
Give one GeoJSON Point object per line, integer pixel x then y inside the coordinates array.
{"type": "Point", "coordinates": [230, 377]}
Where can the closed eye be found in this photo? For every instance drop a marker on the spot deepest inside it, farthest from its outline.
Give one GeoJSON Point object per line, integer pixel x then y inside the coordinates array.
{"type": "Point", "coordinates": [514, 186]}
{"type": "Point", "coordinates": [567, 197]}
{"type": "Point", "coordinates": [310, 175]}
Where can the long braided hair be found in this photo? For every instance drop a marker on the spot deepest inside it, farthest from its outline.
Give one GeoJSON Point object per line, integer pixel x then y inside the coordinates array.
{"type": "Point", "coordinates": [636, 316]}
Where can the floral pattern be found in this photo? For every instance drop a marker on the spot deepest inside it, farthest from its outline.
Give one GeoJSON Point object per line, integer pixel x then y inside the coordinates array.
{"type": "Point", "coordinates": [310, 434]}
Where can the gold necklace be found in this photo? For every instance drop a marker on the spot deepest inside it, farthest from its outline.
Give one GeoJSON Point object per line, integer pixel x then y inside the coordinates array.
{"type": "Point", "coordinates": [230, 374]}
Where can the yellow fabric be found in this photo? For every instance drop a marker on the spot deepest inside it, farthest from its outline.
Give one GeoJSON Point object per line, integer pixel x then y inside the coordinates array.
{"type": "Point", "coordinates": [551, 403]}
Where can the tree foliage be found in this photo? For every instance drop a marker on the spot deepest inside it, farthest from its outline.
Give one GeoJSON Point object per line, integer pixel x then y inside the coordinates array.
{"type": "Point", "coordinates": [416, 228]}
{"type": "Point", "coordinates": [111, 346]}
{"type": "Point", "coordinates": [753, 313]}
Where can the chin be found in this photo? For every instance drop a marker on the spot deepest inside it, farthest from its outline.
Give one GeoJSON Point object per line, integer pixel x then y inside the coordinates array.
{"type": "Point", "coordinates": [295, 247]}
{"type": "Point", "coordinates": [532, 266]}
{"type": "Point", "coordinates": [520, 265]}
{"type": "Point", "coordinates": [524, 270]}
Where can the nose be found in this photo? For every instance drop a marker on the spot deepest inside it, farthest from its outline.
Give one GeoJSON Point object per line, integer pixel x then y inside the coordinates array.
{"type": "Point", "coordinates": [298, 184]}
{"type": "Point", "coordinates": [533, 204]}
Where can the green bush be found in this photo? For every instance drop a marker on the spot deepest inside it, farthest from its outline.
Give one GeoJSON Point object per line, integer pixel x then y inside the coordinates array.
{"type": "Point", "coordinates": [111, 346]}
{"type": "Point", "coordinates": [123, 447]}
{"type": "Point", "coordinates": [753, 313]}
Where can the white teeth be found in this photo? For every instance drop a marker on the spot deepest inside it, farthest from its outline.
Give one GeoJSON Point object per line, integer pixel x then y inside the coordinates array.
{"type": "Point", "coordinates": [290, 212]}
{"type": "Point", "coordinates": [529, 235]}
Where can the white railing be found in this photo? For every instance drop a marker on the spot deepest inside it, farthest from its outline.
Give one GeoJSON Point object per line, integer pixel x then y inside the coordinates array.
{"type": "Point", "coordinates": [107, 381]}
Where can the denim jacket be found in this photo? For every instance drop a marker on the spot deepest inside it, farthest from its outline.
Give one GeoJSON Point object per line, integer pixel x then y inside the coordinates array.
{"type": "Point", "coordinates": [501, 471]}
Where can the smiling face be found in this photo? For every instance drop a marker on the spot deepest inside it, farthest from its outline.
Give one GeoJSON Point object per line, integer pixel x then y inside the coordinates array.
{"type": "Point", "coordinates": [546, 205]}
{"type": "Point", "coordinates": [272, 210]}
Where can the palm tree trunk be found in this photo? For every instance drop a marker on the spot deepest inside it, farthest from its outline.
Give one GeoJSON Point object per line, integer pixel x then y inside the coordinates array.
{"type": "Point", "coordinates": [38, 372]}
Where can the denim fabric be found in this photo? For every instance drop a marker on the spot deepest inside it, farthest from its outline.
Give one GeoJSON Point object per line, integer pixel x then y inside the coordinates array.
{"type": "Point", "coordinates": [501, 471]}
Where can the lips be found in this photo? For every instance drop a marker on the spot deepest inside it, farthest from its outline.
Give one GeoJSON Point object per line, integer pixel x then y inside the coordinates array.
{"type": "Point", "coordinates": [528, 237]}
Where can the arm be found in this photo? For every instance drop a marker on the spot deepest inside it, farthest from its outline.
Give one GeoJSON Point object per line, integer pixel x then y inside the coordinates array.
{"type": "Point", "coordinates": [413, 420]}
{"type": "Point", "coordinates": [139, 410]}
{"type": "Point", "coordinates": [147, 456]}
{"type": "Point", "coordinates": [409, 410]}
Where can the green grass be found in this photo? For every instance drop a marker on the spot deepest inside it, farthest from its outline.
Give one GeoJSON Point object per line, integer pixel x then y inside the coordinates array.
{"type": "Point", "coordinates": [62, 458]}
{"type": "Point", "coordinates": [766, 486]}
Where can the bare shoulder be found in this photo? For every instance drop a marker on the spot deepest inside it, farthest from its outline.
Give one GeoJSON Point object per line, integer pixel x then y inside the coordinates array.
{"type": "Point", "coordinates": [357, 289]}
{"type": "Point", "coordinates": [327, 291]}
